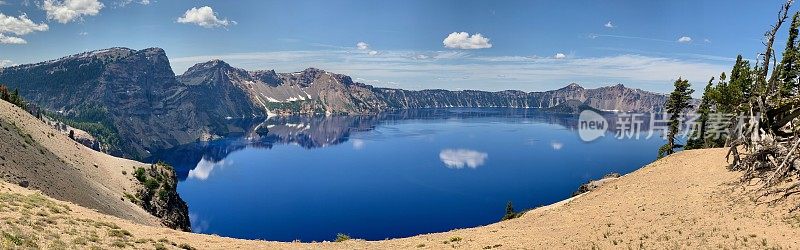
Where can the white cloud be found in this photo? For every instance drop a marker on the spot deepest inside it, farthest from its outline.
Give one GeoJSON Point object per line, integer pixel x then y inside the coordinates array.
{"type": "Point", "coordinates": [609, 25]}
{"type": "Point", "coordinates": [556, 145]}
{"type": "Point", "coordinates": [11, 40]}
{"type": "Point", "coordinates": [362, 46]}
{"type": "Point", "coordinates": [205, 17]}
{"type": "Point", "coordinates": [83, 33]}
{"type": "Point", "coordinates": [123, 3]}
{"type": "Point", "coordinates": [3, 2]}
{"type": "Point", "coordinates": [707, 40]}
{"type": "Point", "coordinates": [68, 10]}
{"type": "Point", "coordinates": [560, 56]}
{"type": "Point", "coordinates": [13, 27]}
{"type": "Point", "coordinates": [460, 158]}
{"type": "Point", "coordinates": [19, 25]}
{"type": "Point", "coordinates": [685, 39]}
{"type": "Point", "coordinates": [462, 40]}
{"type": "Point", "coordinates": [4, 63]}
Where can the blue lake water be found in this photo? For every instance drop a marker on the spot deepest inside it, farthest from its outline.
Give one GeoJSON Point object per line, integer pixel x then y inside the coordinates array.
{"type": "Point", "coordinates": [391, 175]}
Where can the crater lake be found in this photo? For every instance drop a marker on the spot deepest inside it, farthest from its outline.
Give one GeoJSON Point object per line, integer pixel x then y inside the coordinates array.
{"type": "Point", "coordinates": [391, 175]}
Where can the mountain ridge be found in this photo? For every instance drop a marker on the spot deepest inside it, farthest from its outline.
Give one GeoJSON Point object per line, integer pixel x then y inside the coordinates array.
{"type": "Point", "coordinates": [133, 100]}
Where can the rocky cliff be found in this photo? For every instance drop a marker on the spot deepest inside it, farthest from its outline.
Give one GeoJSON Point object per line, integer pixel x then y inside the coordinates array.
{"type": "Point", "coordinates": [309, 91]}
{"type": "Point", "coordinates": [130, 97]}
{"type": "Point", "coordinates": [317, 91]}
{"type": "Point", "coordinates": [615, 98]}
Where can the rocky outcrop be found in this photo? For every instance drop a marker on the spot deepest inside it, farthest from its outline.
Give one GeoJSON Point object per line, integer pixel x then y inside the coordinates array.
{"type": "Point", "coordinates": [571, 107]}
{"type": "Point", "coordinates": [159, 196]}
{"type": "Point", "coordinates": [594, 184]}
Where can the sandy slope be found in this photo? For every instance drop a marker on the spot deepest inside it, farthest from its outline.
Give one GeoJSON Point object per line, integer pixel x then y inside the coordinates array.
{"type": "Point", "coordinates": [683, 201]}
{"type": "Point", "coordinates": [64, 169]}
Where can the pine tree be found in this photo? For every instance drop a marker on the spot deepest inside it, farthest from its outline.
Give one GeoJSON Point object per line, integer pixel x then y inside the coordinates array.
{"type": "Point", "coordinates": [12, 97]}
{"type": "Point", "coordinates": [788, 67]}
{"type": "Point", "coordinates": [704, 110]}
{"type": "Point", "coordinates": [677, 103]}
{"type": "Point", "coordinates": [731, 94]}
{"type": "Point", "coordinates": [510, 213]}
{"type": "Point", "coordinates": [740, 87]}
{"type": "Point", "coordinates": [4, 95]}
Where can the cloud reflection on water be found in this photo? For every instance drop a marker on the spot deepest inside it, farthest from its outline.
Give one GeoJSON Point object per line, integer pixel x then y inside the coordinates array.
{"type": "Point", "coordinates": [358, 144]}
{"type": "Point", "coordinates": [556, 145]}
{"type": "Point", "coordinates": [204, 168]}
{"type": "Point", "coordinates": [460, 158]}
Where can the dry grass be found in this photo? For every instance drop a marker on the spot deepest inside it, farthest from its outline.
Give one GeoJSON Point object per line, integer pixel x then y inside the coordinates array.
{"type": "Point", "coordinates": [33, 221]}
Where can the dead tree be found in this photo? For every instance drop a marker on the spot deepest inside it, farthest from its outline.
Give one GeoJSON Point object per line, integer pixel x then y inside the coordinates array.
{"type": "Point", "coordinates": [764, 141]}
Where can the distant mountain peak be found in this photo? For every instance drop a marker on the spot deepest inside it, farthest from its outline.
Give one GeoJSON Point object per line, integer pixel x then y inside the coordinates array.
{"type": "Point", "coordinates": [212, 65]}
{"type": "Point", "coordinates": [574, 86]}
{"type": "Point", "coordinates": [312, 69]}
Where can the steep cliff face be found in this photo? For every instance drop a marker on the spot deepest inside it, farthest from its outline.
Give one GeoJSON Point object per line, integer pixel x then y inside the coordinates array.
{"type": "Point", "coordinates": [317, 91]}
{"type": "Point", "coordinates": [617, 98]}
{"type": "Point", "coordinates": [335, 93]}
{"type": "Point", "coordinates": [620, 98]}
{"type": "Point", "coordinates": [408, 99]}
{"type": "Point", "coordinates": [132, 93]}
{"type": "Point", "coordinates": [220, 90]}
{"type": "Point", "coordinates": [306, 92]}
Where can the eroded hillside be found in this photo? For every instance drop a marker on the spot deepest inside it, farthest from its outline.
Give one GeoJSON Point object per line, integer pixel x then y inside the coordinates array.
{"type": "Point", "coordinates": [36, 155]}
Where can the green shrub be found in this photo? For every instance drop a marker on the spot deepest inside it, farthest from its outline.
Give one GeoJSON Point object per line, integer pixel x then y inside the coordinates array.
{"type": "Point", "coordinates": [140, 175]}
{"type": "Point", "coordinates": [151, 184]}
{"type": "Point", "coordinates": [16, 240]}
{"type": "Point", "coordinates": [163, 194]}
{"type": "Point", "coordinates": [186, 246]}
{"type": "Point", "coordinates": [119, 233]}
{"type": "Point", "coordinates": [119, 244]}
{"type": "Point", "coordinates": [130, 197]}
{"type": "Point", "coordinates": [342, 237]}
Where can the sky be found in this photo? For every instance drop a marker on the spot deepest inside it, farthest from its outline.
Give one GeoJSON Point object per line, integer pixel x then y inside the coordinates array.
{"type": "Point", "coordinates": [412, 44]}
